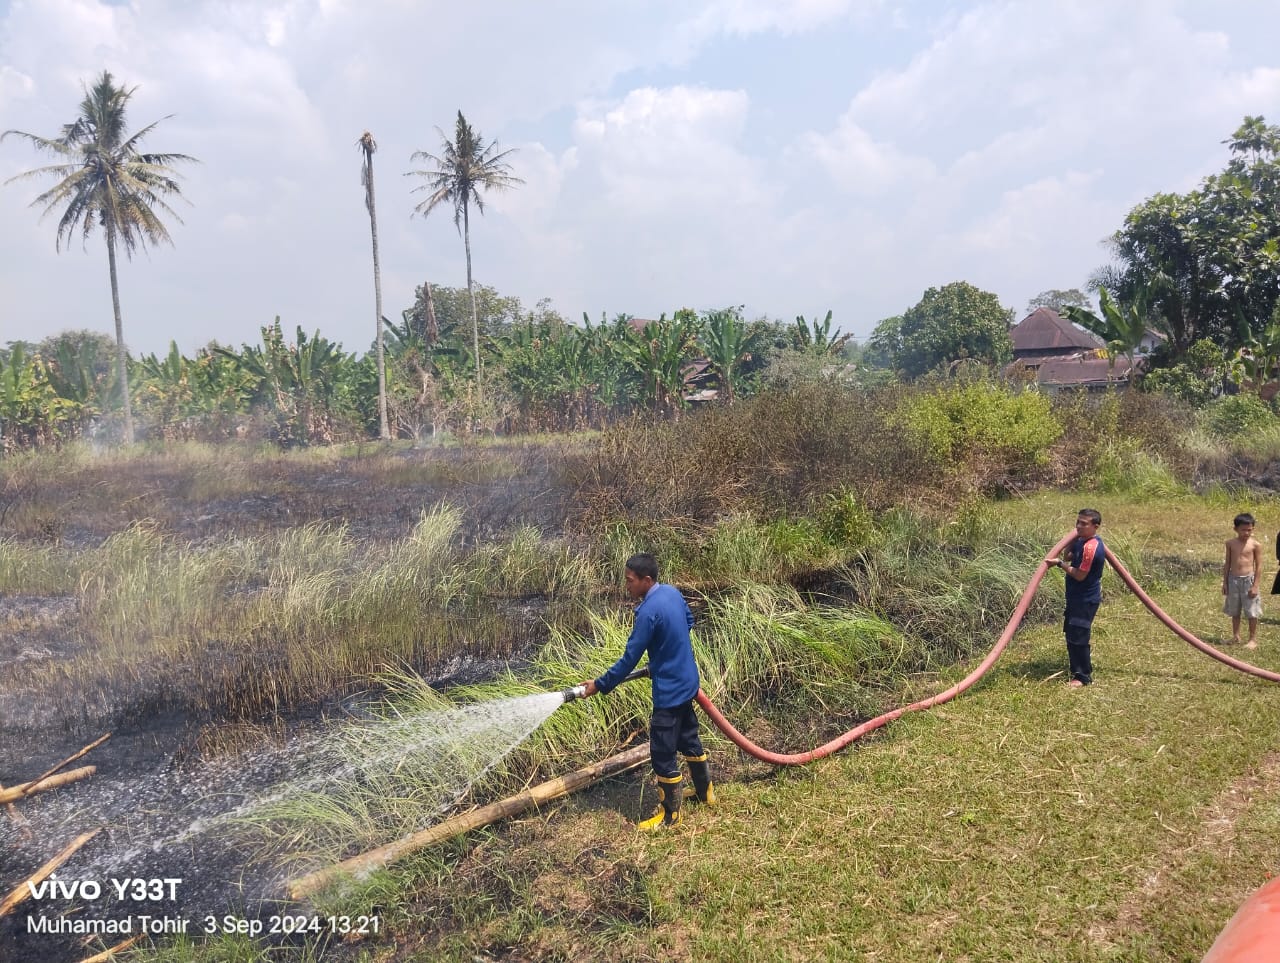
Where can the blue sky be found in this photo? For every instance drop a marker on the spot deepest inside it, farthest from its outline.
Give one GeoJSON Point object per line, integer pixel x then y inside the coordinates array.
{"type": "Point", "coordinates": [791, 156]}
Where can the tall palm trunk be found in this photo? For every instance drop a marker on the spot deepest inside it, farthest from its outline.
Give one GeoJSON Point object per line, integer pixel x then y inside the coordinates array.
{"type": "Point", "coordinates": [475, 320]}
{"type": "Point", "coordinates": [122, 370]}
{"type": "Point", "coordinates": [384, 431]}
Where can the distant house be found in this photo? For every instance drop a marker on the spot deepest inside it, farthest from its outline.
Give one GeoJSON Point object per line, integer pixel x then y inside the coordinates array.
{"type": "Point", "coordinates": [1082, 374]}
{"type": "Point", "coordinates": [1059, 355]}
{"type": "Point", "coordinates": [1045, 335]}
{"type": "Point", "coordinates": [1150, 341]}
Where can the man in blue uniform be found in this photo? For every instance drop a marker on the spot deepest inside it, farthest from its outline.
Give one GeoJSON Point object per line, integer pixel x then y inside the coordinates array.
{"type": "Point", "coordinates": [662, 624]}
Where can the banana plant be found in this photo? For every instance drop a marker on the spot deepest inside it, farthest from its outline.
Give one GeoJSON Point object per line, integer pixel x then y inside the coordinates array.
{"type": "Point", "coordinates": [31, 412]}
{"type": "Point", "coordinates": [1257, 360]}
{"type": "Point", "coordinates": [816, 336]}
{"type": "Point", "coordinates": [728, 344]}
{"type": "Point", "coordinates": [164, 390]}
{"type": "Point", "coordinates": [80, 376]}
{"type": "Point", "coordinates": [661, 355]}
{"type": "Point", "coordinates": [553, 371]}
{"type": "Point", "coordinates": [1122, 327]}
{"type": "Point", "coordinates": [307, 382]}
{"type": "Point", "coordinates": [185, 396]}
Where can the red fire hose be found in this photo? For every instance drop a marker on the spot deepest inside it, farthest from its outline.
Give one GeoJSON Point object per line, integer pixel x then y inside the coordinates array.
{"type": "Point", "coordinates": [800, 758]}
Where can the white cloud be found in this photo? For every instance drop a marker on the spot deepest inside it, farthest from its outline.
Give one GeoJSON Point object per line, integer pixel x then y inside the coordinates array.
{"type": "Point", "coordinates": [758, 16]}
{"type": "Point", "coordinates": [14, 85]}
{"type": "Point", "coordinates": [859, 165]}
{"type": "Point", "coordinates": [676, 149]}
{"type": "Point", "coordinates": [996, 142]}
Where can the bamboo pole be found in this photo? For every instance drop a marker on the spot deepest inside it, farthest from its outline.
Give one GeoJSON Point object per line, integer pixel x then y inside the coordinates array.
{"type": "Point", "coordinates": [48, 782]}
{"type": "Point", "coordinates": [108, 954]}
{"type": "Point", "coordinates": [307, 885]}
{"type": "Point", "coordinates": [24, 888]}
{"type": "Point", "coordinates": [12, 810]}
{"type": "Point", "coordinates": [29, 787]}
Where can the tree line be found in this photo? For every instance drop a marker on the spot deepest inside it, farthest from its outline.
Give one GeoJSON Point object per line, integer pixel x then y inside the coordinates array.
{"type": "Point", "coordinates": [1202, 269]}
{"type": "Point", "coordinates": [298, 388]}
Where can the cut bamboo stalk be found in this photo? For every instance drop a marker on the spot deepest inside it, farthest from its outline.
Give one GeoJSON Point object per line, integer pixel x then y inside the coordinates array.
{"type": "Point", "coordinates": [24, 888]}
{"type": "Point", "coordinates": [12, 810]}
{"type": "Point", "coordinates": [364, 863]}
{"type": "Point", "coordinates": [118, 948]}
{"type": "Point", "coordinates": [49, 782]}
{"type": "Point", "coordinates": [65, 762]}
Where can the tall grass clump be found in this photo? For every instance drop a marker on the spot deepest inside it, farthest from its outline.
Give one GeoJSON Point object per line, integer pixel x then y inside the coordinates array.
{"type": "Point", "coordinates": [1122, 466]}
{"type": "Point", "coordinates": [418, 571]}
{"type": "Point", "coordinates": [27, 569]}
{"type": "Point", "coordinates": [952, 596]}
{"type": "Point", "coordinates": [140, 585]}
{"type": "Point", "coordinates": [526, 563]}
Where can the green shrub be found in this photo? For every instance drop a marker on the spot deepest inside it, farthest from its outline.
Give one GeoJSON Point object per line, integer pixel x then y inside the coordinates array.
{"type": "Point", "coordinates": [1235, 415]}
{"type": "Point", "coordinates": [845, 520]}
{"type": "Point", "coordinates": [957, 425]}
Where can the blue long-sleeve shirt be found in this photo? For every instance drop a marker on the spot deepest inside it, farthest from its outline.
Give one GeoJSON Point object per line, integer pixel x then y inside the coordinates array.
{"type": "Point", "coordinates": [662, 625]}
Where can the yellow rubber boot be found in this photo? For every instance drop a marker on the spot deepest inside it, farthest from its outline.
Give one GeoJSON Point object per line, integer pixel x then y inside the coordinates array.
{"type": "Point", "coordinates": [703, 789]}
{"type": "Point", "coordinates": [667, 815]}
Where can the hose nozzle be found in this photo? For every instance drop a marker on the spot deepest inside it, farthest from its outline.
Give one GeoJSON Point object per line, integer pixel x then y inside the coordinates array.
{"type": "Point", "coordinates": [577, 692]}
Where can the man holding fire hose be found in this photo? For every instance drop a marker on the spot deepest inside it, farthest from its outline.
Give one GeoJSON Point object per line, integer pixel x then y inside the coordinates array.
{"type": "Point", "coordinates": [662, 624]}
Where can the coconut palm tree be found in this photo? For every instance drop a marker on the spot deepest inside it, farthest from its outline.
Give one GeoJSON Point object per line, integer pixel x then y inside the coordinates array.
{"type": "Point", "coordinates": [466, 166]}
{"type": "Point", "coordinates": [367, 146]}
{"type": "Point", "coordinates": [104, 180]}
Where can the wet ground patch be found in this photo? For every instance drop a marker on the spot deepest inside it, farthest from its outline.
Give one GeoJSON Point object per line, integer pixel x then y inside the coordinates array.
{"type": "Point", "coordinates": [192, 714]}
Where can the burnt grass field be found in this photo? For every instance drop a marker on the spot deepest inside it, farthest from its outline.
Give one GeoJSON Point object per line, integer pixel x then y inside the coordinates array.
{"type": "Point", "coordinates": [178, 715]}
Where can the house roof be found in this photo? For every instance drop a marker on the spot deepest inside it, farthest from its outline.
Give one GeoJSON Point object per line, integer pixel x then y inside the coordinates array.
{"type": "Point", "coordinates": [1046, 331]}
{"type": "Point", "coordinates": [1083, 371]}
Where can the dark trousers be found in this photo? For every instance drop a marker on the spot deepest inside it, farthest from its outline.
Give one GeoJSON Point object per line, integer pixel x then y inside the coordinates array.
{"type": "Point", "coordinates": [670, 731]}
{"type": "Point", "coordinates": [1077, 626]}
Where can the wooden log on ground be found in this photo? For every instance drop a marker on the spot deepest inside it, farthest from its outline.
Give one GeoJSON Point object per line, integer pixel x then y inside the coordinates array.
{"type": "Point", "coordinates": [24, 888]}
{"type": "Point", "coordinates": [65, 762]}
{"type": "Point", "coordinates": [364, 863]}
{"type": "Point", "coordinates": [49, 782]}
{"type": "Point", "coordinates": [108, 954]}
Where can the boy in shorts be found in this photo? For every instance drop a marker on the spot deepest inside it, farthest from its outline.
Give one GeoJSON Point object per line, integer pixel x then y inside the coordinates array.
{"type": "Point", "coordinates": [1240, 573]}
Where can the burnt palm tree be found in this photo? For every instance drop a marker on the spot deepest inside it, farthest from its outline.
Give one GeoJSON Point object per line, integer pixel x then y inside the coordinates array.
{"type": "Point", "coordinates": [367, 146]}
{"type": "Point", "coordinates": [465, 167]}
{"type": "Point", "coordinates": [105, 180]}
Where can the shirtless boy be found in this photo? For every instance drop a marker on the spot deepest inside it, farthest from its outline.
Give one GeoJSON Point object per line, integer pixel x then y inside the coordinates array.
{"type": "Point", "coordinates": [1240, 579]}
